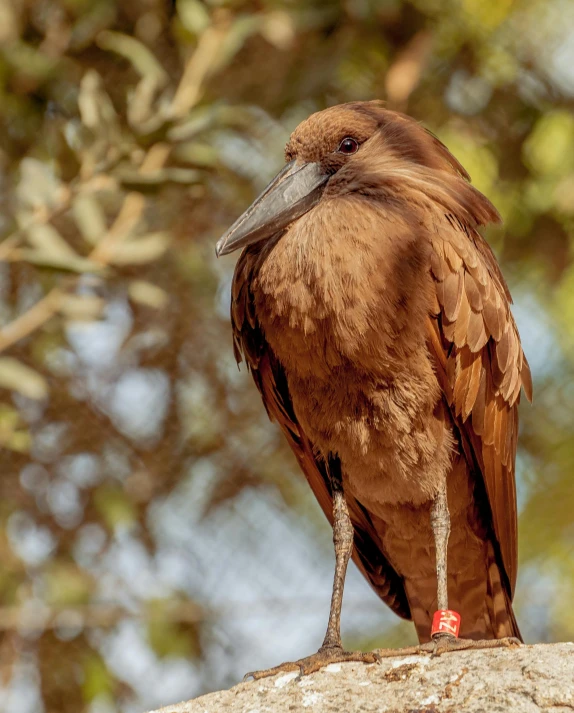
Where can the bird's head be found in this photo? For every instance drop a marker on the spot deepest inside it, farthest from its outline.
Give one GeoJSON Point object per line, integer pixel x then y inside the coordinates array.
{"type": "Point", "coordinates": [361, 148]}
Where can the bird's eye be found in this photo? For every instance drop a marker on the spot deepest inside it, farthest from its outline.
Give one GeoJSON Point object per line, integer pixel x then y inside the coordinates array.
{"type": "Point", "coordinates": [348, 146]}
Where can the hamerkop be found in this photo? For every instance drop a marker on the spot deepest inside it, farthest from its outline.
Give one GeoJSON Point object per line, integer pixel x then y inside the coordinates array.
{"type": "Point", "coordinates": [375, 321]}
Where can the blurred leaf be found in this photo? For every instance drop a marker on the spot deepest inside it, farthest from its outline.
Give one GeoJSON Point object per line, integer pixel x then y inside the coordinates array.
{"type": "Point", "coordinates": [549, 150]}
{"type": "Point", "coordinates": [486, 14]}
{"type": "Point", "coordinates": [95, 105]}
{"type": "Point", "coordinates": [171, 638]}
{"type": "Point", "coordinates": [48, 241]}
{"type": "Point", "coordinates": [98, 680]}
{"type": "Point", "coordinates": [21, 378]}
{"type": "Point", "coordinates": [141, 104]}
{"type": "Point", "coordinates": [196, 153]}
{"type": "Point", "coordinates": [135, 181]}
{"type": "Point", "coordinates": [147, 294]}
{"type": "Point", "coordinates": [141, 250]}
{"type": "Point", "coordinates": [13, 433]}
{"type": "Point", "coordinates": [29, 60]}
{"type": "Point", "coordinates": [200, 119]}
{"type": "Point", "coordinates": [404, 74]}
{"type": "Point", "coordinates": [89, 217]}
{"type": "Point", "coordinates": [193, 15]}
{"type": "Point", "coordinates": [114, 506]}
{"type": "Point", "coordinates": [136, 53]}
{"type": "Point", "coordinates": [38, 184]}
{"type": "Point", "coordinates": [278, 28]}
{"type": "Point", "coordinates": [478, 160]}
{"type": "Point", "coordinates": [82, 307]}
{"type": "Point", "coordinates": [61, 262]}
{"type": "Point", "coordinates": [66, 585]}
{"type": "Point", "coordinates": [242, 29]}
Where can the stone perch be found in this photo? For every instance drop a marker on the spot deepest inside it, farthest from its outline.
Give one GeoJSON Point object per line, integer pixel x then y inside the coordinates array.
{"type": "Point", "coordinates": [522, 680]}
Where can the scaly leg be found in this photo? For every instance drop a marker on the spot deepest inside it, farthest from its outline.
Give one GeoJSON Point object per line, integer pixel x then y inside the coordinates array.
{"type": "Point", "coordinates": [343, 534]}
{"type": "Point", "coordinates": [332, 650]}
{"type": "Point", "coordinates": [440, 525]}
{"type": "Point", "coordinates": [444, 642]}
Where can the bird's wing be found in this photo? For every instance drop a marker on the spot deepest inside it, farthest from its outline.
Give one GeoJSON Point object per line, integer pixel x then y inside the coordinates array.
{"type": "Point", "coordinates": [481, 368]}
{"type": "Point", "coordinates": [269, 376]}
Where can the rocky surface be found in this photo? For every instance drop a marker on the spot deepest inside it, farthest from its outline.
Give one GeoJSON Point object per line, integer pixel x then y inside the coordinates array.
{"type": "Point", "coordinates": [526, 679]}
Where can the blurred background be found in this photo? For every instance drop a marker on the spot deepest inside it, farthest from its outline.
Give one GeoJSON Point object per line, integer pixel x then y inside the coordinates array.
{"type": "Point", "coordinates": [156, 538]}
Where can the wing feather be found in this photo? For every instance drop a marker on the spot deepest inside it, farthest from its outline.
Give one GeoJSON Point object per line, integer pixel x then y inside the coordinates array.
{"type": "Point", "coordinates": [481, 368]}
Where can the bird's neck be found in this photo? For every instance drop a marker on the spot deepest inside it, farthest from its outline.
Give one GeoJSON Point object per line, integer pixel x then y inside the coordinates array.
{"type": "Point", "coordinates": [348, 283]}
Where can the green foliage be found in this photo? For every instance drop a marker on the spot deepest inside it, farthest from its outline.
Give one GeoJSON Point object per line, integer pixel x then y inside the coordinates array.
{"type": "Point", "coordinates": [114, 506]}
{"type": "Point", "coordinates": [98, 681]}
{"type": "Point", "coordinates": [169, 638]}
{"type": "Point", "coordinates": [65, 584]}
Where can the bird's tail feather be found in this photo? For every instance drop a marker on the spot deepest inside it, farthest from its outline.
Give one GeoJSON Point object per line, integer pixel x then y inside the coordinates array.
{"type": "Point", "coordinates": [498, 601]}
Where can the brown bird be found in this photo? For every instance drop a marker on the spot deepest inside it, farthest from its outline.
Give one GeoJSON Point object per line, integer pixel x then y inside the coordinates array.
{"type": "Point", "coordinates": [375, 321]}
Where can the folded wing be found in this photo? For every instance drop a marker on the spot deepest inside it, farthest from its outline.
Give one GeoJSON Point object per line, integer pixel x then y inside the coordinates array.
{"type": "Point", "coordinates": [481, 368]}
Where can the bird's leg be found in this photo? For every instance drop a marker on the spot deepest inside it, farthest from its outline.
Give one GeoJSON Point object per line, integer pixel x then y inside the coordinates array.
{"type": "Point", "coordinates": [440, 524]}
{"type": "Point", "coordinates": [443, 641]}
{"type": "Point", "coordinates": [332, 650]}
{"type": "Point", "coordinates": [343, 542]}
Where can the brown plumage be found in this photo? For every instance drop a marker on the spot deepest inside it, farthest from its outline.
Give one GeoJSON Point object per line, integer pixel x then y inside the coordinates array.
{"type": "Point", "coordinates": [376, 324]}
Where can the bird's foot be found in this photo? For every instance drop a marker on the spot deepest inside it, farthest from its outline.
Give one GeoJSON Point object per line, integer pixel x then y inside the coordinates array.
{"type": "Point", "coordinates": [310, 664]}
{"type": "Point", "coordinates": [444, 643]}
{"type": "Point", "coordinates": [326, 655]}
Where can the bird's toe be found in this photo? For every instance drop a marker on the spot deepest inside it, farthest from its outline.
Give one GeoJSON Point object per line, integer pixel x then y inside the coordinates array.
{"type": "Point", "coordinates": [310, 664]}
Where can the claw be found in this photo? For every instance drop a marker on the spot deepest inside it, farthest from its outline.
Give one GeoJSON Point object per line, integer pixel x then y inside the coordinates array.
{"type": "Point", "coordinates": [441, 644]}
{"type": "Point", "coordinates": [445, 643]}
{"type": "Point", "coordinates": [315, 662]}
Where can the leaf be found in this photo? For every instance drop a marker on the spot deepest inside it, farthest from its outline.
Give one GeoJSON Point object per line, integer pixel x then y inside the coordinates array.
{"type": "Point", "coordinates": [242, 29]}
{"type": "Point", "coordinates": [278, 29]}
{"type": "Point", "coordinates": [89, 217]}
{"type": "Point", "coordinates": [48, 240]}
{"type": "Point", "coordinates": [96, 108]}
{"type": "Point", "coordinates": [72, 264]}
{"type": "Point", "coordinates": [135, 52]}
{"type": "Point", "coordinates": [82, 307]}
{"type": "Point", "coordinates": [142, 250]}
{"type": "Point", "coordinates": [147, 294]}
{"type": "Point", "coordinates": [193, 15]}
{"type": "Point", "coordinates": [13, 433]}
{"type": "Point", "coordinates": [136, 181]}
{"type": "Point", "coordinates": [168, 637]}
{"type": "Point", "coordinates": [549, 150]}
{"type": "Point", "coordinates": [405, 72]}
{"type": "Point", "coordinates": [114, 506]}
{"type": "Point", "coordinates": [141, 102]}
{"type": "Point", "coordinates": [197, 121]}
{"type": "Point", "coordinates": [65, 584]}
{"type": "Point", "coordinates": [198, 154]}
{"type": "Point", "coordinates": [21, 378]}
{"type": "Point", "coordinates": [97, 679]}
{"type": "Point", "coordinates": [38, 184]}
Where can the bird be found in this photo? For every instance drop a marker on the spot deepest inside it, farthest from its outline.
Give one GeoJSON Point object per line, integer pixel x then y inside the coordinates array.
{"type": "Point", "coordinates": [376, 323]}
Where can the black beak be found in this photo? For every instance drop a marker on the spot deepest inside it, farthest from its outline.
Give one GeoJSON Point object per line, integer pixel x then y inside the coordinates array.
{"type": "Point", "coordinates": [293, 192]}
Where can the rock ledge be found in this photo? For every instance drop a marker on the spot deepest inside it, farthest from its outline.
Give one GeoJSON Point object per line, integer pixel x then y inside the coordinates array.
{"type": "Point", "coordinates": [528, 679]}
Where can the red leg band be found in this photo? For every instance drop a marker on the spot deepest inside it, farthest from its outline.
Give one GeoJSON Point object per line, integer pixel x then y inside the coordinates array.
{"type": "Point", "coordinates": [445, 621]}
